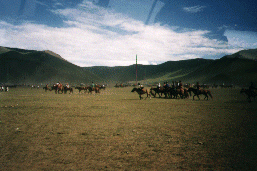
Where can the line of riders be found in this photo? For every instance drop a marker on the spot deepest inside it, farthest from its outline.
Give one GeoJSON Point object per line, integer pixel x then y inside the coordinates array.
{"type": "Point", "coordinates": [4, 88]}
{"type": "Point", "coordinates": [59, 88]}
{"type": "Point", "coordinates": [175, 90]}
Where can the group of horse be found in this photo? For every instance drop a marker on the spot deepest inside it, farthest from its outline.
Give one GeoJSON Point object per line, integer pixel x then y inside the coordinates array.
{"type": "Point", "coordinates": [89, 89]}
{"type": "Point", "coordinates": [170, 92]}
{"type": "Point", "coordinates": [59, 88]}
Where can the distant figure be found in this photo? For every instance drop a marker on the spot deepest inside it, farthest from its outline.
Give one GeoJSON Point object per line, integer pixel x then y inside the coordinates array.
{"type": "Point", "coordinates": [93, 85]}
{"type": "Point", "coordinates": [158, 85]}
{"type": "Point", "coordinates": [252, 88]}
{"type": "Point", "coordinates": [173, 84]}
{"type": "Point", "coordinates": [198, 87]}
{"type": "Point", "coordinates": [180, 85]}
{"type": "Point", "coordinates": [140, 86]}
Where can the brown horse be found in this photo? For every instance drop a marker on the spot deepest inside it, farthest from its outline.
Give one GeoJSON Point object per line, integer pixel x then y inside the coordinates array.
{"type": "Point", "coordinates": [182, 92]}
{"type": "Point", "coordinates": [141, 92]}
{"type": "Point", "coordinates": [58, 88]}
{"type": "Point", "coordinates": [249, 94]}
{"type": "Point", "coordinates": [199, 92]}
{"type": "Point", "coordinates": [82, 88]}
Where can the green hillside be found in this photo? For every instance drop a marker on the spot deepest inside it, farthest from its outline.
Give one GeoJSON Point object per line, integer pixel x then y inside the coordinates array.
{"type": "Point", "coordinates": [19, 66]}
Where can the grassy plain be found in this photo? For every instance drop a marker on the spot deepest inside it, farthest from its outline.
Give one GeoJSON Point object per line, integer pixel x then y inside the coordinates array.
{"type": "Point", "coordinates": [114, 130]}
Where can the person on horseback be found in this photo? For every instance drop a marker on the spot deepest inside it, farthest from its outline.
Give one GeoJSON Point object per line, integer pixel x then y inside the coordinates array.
{"type": "Point", "coordinates": [198, 87]}
{"type": "Point", "coordinates": [180, 86]}
{"type": "Point", "coordinates": [158, 86]}
{"type": "Point", "coordinates": [166, 85]}
{"type": "Point", "coordinates": [252, 88]}
{"type": "Point", "coordinates": [67, 85]}
{"type": "Point", "coordinates": [93, 85]}
{"type": "Point", "coordinates": [140, 86]}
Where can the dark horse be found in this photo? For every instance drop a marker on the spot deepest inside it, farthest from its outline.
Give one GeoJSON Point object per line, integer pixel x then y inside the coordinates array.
{"type": "Point", "coordinates": [199, 92]}
{"type": "Point", "coordinates": [141, 92]}
{"type": "Point", "coordinates": [47, 88]}
{"type": "Point", "coordinates": [96, 89]}
{"type": "Point", "coordinates": [82, 88]}
{"type": "Point", "coordinates": [68, 89]}
{"type": "Point", "coordinates": [161, 90]}
{"type": "Point", "coordinates": [181, 92]}
{"type": "Point", "coordinates": [249, 94]}
{"type": "Point", "coordinates": [58, 88]}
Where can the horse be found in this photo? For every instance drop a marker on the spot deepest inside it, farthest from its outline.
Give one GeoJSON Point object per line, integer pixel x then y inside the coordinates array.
{"type": "Point", "coordinates": [182, 92]}
{"type": "Point", "coordinates": [161, 90]}
{"type": "Point", "coordinates": [96, 89]}
{"type": "Point", "coordinates": [47, 88]}
{"type": "Point", "coordinates": [141, 92]}
{"type": "Point", "coordinates": [249, 94]}
{"type": "Point", "coordinates": [199, 92]}
{"type": "Point", "coordinates": [68, 89]}
{"type": "Point", "coordinates": [82, 88]}
{"type": "Point", "coordinates": [58, 87]}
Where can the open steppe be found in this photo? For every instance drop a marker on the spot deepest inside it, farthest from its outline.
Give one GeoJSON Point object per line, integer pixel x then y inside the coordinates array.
{"type": "Point", "coordinates": [114, 130]}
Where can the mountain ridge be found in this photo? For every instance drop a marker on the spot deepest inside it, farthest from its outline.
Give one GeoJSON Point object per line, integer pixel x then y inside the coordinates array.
{"type": "Point", "coordinates": [20, 66]}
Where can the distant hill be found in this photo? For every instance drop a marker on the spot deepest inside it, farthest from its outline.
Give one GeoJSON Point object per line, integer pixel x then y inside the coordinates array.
{"type": "Point", "coordinates": [19, 66]}
{"type": "Point", "coordinates": [245, 54]}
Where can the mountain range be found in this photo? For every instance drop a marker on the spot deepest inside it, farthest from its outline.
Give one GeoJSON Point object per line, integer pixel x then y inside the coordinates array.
{"type": "Point", "coordinates": [21, 66]}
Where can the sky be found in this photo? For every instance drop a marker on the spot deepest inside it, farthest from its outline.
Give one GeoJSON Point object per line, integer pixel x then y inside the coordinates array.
{"type": "Point", "coordinates": [113, 32]}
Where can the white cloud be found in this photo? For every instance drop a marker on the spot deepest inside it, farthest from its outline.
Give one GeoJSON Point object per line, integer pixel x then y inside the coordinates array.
{"type": "Point", "coordinates": [97, 36]}
{"type": "Point", "coordinates": [194, 9]}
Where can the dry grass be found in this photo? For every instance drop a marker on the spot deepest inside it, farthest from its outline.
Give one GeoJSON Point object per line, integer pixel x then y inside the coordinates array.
{"type": "Point", "coordinates": [114, 130]}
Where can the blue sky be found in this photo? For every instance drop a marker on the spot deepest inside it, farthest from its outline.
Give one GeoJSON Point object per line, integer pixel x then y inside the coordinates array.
{"type": "Point", "coordinates": [113, 32]}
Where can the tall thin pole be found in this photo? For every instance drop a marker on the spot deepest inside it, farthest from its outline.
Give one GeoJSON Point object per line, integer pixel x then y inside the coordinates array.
{"type": "Point", "coordinates": [136, 69]}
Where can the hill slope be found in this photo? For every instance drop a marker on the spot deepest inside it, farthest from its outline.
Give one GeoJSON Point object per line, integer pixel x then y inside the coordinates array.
{"type": "Point", "coordinates": [20, 66]}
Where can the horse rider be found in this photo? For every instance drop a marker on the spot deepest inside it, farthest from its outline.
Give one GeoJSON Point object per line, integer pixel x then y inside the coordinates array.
{"type": "Point", "coordinates": [93, 85]}
{"type": "Point", "coordinates": [173, 84]}
{"type": "Point", "coordinates": [67, 85]}
{"type": "Point", "coordinates": [198, 87]}
{"type": "Point", "coordinates": [180, 85]}
{"type": "Point", "coordinates": [140, 86]}
{"type": "Point", "coordinates": [158, 86]}
{"type": "Point", "coordinates": [252, 88]}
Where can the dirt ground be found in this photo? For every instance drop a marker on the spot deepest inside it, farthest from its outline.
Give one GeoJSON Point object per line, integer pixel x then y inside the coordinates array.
{"type": "Point", "coordinates": [114, 130]}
